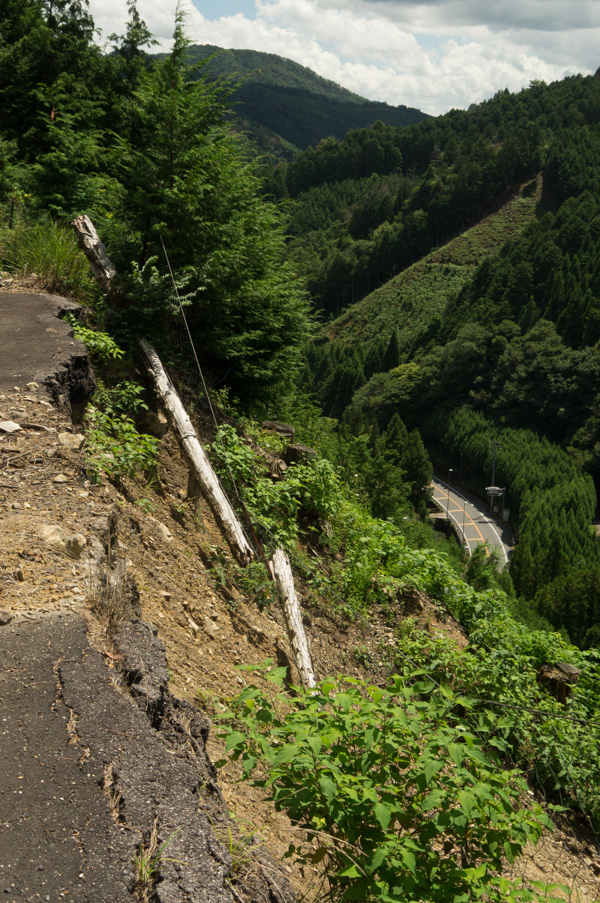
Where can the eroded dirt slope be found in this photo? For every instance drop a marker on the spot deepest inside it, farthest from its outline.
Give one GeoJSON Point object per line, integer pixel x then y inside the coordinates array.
{"type": "Point", "coordinates": [104, 554]}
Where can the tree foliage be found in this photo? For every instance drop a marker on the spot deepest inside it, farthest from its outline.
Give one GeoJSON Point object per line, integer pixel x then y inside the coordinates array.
{"type": "Point", "coordinates": [142, 147]}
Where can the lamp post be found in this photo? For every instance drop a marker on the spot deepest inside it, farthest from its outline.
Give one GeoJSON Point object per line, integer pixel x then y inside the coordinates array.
{"type": "Point", "coordinates": [448, 495]}
{"type": "Point", "coordinates": [495, 446]}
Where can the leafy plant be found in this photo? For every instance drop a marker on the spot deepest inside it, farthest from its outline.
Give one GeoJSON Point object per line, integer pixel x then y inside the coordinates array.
{"type": "Point", "coordinates": [400, 797]}
{"type": "Point", "coordinates": [274, 506]}
{"type": "Point", "coordinates": [115, 446]}
{"type": "Point", "coordinates": [147, 863]}
{"type": "Point", "coordinates": [49, 250]}
{"type": "Point", "coordinates": [101, 345]}
{"type": "Point", "coordinates": [124, 398]}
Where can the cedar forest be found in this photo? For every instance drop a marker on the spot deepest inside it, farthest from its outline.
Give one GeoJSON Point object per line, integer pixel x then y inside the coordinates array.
{"type": "Point", "coordinates": [406, 295]}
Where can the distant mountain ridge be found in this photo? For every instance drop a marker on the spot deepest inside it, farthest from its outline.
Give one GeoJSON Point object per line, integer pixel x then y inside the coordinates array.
{"type": "Point", "coordinates": [288, 107]}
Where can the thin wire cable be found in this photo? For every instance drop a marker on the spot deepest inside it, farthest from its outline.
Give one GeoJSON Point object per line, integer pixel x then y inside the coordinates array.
{"type": "Point", "coordinates": [304, 566]}
{"type": "Point", "coordinates": [206, 392]}
{"type": "Point", "coordinates": [257, 544]}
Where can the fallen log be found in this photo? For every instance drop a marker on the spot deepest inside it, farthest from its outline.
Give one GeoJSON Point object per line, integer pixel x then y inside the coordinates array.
{"type": "Point", "coordinates": [95, 251]}
{"type": "Point", "coordinates": [201, 470]}
{"type": "Point", "coordinates": [207, 479]}
{"type": "Point", "coordinates": [284, 583]}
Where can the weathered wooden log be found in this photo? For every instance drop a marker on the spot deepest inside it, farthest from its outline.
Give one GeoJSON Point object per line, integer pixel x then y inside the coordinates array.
{"type": "Point", "coordinates": [211, 488]}
{"type": "Point", "coordinates": [284, 583]}
{"type": "Point", "coordinates": [95, 251]}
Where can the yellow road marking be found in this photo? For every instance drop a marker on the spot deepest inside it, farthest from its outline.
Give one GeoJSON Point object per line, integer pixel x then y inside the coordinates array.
{"type": "Point", "coordinates": [449, 503]}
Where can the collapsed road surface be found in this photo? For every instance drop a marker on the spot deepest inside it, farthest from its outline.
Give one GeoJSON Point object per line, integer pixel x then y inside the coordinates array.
{"type": "Point", "coordinates": [38, 346]}
{"type": "Point", "coordinates": [89, 775]}
{"type": "Point", "coordinates": [101, 766]}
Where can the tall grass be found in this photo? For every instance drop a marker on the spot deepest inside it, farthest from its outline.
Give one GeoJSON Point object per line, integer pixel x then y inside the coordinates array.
{"type": "Point", "coordinates": [48, 251]}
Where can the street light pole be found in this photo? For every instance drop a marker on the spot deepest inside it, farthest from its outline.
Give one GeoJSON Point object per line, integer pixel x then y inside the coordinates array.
{"type": "Point", "coordinates": [448, 495]}
{"type": "Point", "coordinates": [495, 446]}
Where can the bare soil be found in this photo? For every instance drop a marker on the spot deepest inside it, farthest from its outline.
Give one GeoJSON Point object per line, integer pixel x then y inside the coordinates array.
{"type": "Point", "coordinates": [172, 549]}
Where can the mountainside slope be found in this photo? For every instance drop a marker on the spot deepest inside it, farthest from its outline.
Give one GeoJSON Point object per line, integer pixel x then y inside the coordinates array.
{"type": "Point", "coordinates": [278, 97]}
{"type": "Point", "coordinates": [109, 552]}
{"type": "Point", "coordinates": [413, 302]}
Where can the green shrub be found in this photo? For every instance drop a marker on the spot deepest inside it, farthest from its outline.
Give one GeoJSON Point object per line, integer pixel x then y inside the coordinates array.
{"type": "Point", "coordinates": [100, 345]}
{"type": "Point", "coordinates": [274, 505]}
{"type": "Point", "coordinates": [400, 797]}
{"type": "Point", "coordinates": [115, 446]}
{"type": "Point", "coordinates": [49, 249]}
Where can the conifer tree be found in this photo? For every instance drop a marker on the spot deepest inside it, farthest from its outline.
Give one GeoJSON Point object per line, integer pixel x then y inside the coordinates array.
{"type": "Point", "coordinates": [391, 358]}
{"type": "Point", "coordinates": [190, 190]}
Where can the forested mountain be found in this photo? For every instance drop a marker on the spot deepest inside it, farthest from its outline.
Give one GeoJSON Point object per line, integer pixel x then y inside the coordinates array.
{"type": "Point", "coordinates": [479, 231]}
{"type": "Point", "coordinates": [427, 292]}
{"type": "Point", "coordinates": [287, 107]}
{"type": "Point", "coordinates": [492, 334]}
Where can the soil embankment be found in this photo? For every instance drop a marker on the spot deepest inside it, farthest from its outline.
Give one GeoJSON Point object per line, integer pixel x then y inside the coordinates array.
{"type": "Point", "coordinates": [101, 765]}
{"type": "Point", "coordinates": [104, 741]}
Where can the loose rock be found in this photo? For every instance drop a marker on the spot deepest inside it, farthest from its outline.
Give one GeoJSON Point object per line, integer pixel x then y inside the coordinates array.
{"type": "Point", "coordinates": [9, 426]}
{"type": "Point", "coordinates": [71, 441]}
{"type": "Point", "coordinates": [73, 544]}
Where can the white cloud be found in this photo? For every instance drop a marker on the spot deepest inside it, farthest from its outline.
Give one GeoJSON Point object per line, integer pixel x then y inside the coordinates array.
{"type": "Point", "coordinates": [432, 55]}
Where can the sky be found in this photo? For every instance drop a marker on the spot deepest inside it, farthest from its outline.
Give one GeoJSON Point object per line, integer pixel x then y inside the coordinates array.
{"type": "Point", "coordinates": [434, 55]}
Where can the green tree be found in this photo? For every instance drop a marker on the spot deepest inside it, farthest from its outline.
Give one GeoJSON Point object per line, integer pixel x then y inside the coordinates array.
{"type": "Point", "coordinates": [188, 185]}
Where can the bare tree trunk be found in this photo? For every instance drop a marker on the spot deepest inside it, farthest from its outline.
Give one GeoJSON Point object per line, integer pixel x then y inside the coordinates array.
{"type": "Point", "coordinates": [95, 251]}
{"type": "Point", "coordinates": [202, 471]}
{"type": "Point", "coordinates": [194, 452]}
{"type": "Point", "coordinates": [284, 582]}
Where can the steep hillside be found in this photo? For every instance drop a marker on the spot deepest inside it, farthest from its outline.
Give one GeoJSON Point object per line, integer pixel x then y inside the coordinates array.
{"type": "Point", "coordinates": [167, 562]}
{"type": "Point", "coordinates": [413, 304]}
{"type": "Point", "coordinates": [283, 103]}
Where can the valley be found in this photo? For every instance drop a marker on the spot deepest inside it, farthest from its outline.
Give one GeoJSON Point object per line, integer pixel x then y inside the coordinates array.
{"type": "Point", "coordinates": [348, 298]}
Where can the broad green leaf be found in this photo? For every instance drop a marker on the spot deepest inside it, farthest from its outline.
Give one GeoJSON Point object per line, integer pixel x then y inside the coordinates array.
{"type": "Point", "coordinates": [350, 872]}
{"type": "Point", "coordinates": [328, 787]}
{"type": "Point", "coordinates": [431, 768]}
{"type": "Point", "coordinates": [410, 860]}
{"type": "Point", "coordinates": [383, 814]}
{"type": "Point", "coordinates": [457, 752]}
{"type": "Point", "coordinates": [467, 802]}
{"type": "Point", "coordinates": [315, 744]}
{"type": "Point", "coordinates": [234, 739]}
{"type": "Point", "coordinates": [287, 752]}
{"type": "Point", "coordinates": [345, 701]}
{"type": "Point", "coordinates": [433, 799]}
{"type": "Point", "coordinates": [265, 716]}
{"type": "Point", "coordinates": [379, 856]}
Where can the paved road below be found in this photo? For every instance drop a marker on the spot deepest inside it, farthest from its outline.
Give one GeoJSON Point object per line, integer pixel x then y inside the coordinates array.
{"type": "Point", "coordinates": [471, 521]}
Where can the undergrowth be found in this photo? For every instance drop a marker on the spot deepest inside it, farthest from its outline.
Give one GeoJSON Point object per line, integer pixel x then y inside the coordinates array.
{"type": "Point", "coordinates": [369, 771]}
{"type": "Point", "coordinates": [48, 250]}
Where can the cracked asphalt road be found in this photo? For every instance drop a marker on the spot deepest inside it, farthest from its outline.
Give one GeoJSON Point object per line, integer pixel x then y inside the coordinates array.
{"type": "Point", "coordinates": [58, 839]}
{"type": "Point", "coordinates": [35, 343]}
